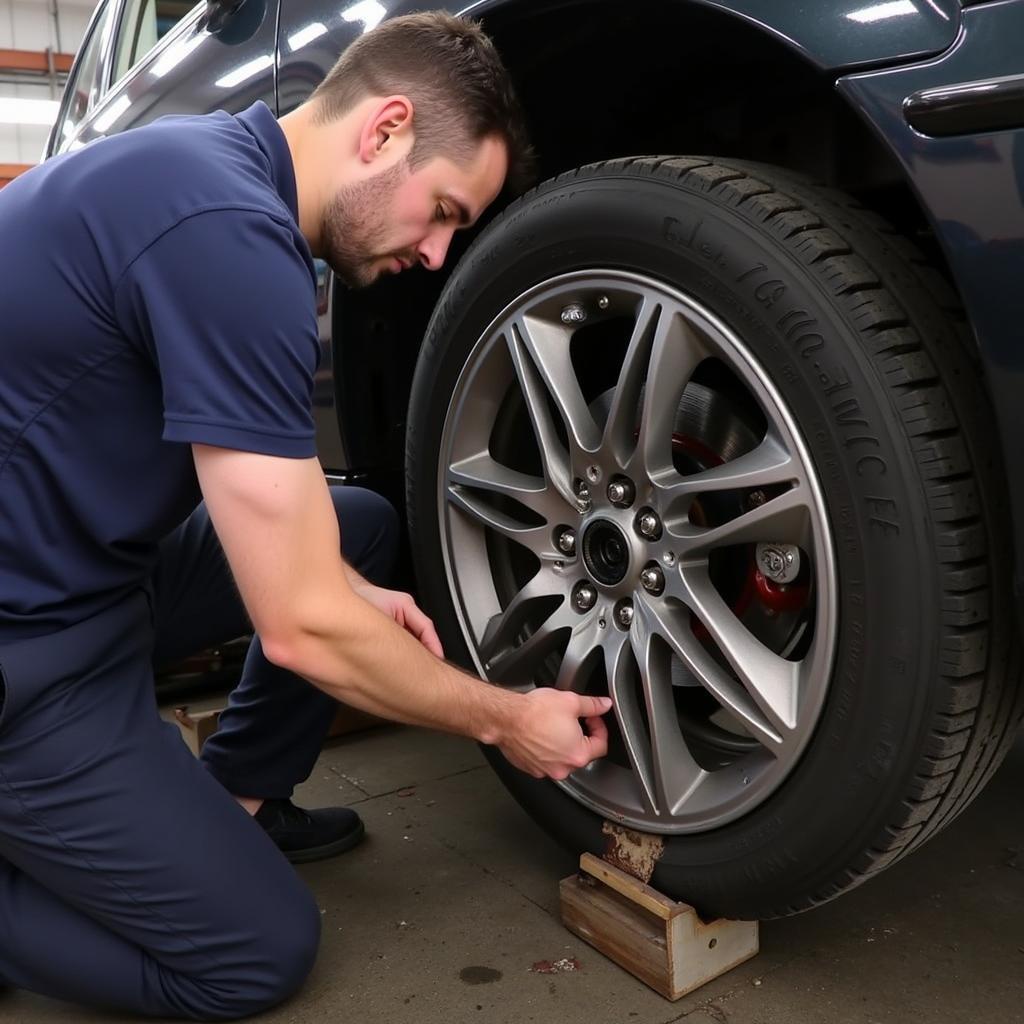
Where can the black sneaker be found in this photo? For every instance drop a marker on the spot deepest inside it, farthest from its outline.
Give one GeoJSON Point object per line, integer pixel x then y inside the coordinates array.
{"type": "Point", "coordinates": [310, 835]}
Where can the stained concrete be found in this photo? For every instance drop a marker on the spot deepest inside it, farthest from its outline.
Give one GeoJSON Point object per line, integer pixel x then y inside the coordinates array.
{"type": "Point", "coordinates": [440, 915]}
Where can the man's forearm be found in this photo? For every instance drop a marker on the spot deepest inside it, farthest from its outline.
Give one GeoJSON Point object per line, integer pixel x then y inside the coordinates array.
{"type": "Point", "coordinates": [361, 657]}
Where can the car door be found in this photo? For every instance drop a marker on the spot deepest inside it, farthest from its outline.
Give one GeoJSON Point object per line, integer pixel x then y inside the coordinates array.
{"type": "Point", "coordinates": [85, 84]}
{"type": "Point", "coordinates": [158, 57]}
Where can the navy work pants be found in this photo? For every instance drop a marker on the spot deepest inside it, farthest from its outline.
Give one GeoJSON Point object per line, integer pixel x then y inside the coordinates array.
{"type": "Point", "coordinates": [130, 878]}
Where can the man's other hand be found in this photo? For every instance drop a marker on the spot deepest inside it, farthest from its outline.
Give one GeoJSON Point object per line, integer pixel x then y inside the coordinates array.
{"type": "Point", "coordinates": [404, 610]}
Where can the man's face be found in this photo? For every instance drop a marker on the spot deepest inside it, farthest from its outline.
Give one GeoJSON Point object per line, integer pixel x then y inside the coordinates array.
{"type": "Point", "coordinates": [398, 218]}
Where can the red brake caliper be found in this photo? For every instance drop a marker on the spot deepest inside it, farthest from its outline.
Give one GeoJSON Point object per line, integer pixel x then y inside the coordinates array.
{"type": "Point", "coordinates": [774, 597]}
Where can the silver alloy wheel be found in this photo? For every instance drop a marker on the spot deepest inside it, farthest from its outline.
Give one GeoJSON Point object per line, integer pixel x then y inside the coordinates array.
{"type": "Point", "coordinates": [525, 604]}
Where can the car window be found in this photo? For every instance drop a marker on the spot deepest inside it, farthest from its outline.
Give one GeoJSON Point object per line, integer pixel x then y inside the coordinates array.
{"type": "Point", "coordinates": [144, 24]}
{"type": "Point", "coordinates": [84, 88]}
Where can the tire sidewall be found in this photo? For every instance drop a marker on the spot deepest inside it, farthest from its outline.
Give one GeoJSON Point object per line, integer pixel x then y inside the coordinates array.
{"type": "Point", "coordinates": [806, 340]}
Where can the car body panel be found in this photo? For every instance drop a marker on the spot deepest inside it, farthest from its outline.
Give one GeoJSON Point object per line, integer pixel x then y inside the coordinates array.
{"type": "Point", "coordinates": [830, 34]}
{"type": "Point", "coordinates": [102, 26]}
{"type": "Point", "coordinates": [834, 34]}
{"type": "Point", "coordinates": [972, 188]}
{"type": "Point", "coordinates": [842, 33]}
{"type": "Point", "coordinates": [191, 71]}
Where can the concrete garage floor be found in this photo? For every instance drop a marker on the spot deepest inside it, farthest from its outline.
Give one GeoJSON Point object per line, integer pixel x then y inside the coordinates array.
{"type": "Point", "coordinates": [439, 916]}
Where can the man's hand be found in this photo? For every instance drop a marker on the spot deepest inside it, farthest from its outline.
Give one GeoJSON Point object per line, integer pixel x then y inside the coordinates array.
{"type": "Point", "coordinates": [404, 610]}
{"type": "Point", "coordinates": [547, 740]}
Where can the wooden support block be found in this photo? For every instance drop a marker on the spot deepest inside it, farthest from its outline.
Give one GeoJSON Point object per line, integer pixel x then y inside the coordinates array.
{"type": "Point", "coordinates": [196, 728]}
{"type": "Point", "coordinates": [663, 943]}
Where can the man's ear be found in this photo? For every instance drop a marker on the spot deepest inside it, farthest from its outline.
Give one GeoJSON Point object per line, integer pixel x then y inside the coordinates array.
{"type": "Point", "coordinates": [387, 129]}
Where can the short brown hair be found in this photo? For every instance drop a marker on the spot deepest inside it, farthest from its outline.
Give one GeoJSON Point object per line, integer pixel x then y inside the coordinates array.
{"type": "Point", "coordinates": [450, 69]}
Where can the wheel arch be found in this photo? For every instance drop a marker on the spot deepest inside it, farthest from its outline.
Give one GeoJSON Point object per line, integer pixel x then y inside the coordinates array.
{"type": "Point", "coordinates": [601, 80]}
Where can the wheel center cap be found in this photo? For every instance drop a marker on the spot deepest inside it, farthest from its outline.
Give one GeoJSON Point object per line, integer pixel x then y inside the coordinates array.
{"type": "Point", "coordinates": [606, 552]}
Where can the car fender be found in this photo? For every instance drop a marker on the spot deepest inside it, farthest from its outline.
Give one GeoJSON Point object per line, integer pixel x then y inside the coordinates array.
{"type": "Point", "coordinates": [969, 177]}
{"type": "Point", "coordinates": [830, 34]}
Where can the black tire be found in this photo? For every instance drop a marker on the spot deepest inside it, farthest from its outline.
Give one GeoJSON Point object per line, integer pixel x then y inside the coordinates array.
{"type": "Point", "coordinates": [924, 697]}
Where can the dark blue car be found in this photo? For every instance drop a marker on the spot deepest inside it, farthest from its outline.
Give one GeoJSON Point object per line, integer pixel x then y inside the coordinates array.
{"type": "Point", "coordinates": [729, 432]}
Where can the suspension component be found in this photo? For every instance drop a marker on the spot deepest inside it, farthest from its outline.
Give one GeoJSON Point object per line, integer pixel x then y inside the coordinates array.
{"type": "Point", "coordinates": [779, 562]}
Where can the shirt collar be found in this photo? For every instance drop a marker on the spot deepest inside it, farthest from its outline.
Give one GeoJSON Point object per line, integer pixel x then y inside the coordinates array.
{"type": "Point", "coordinates": [263, 126]}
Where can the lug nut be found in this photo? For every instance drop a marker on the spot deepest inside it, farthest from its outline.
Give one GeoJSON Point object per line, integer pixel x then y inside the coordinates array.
{"type": "Point", "coordinates": [567, 541]}
{"type": "Point", "coordinates": [652, 579]}
{"type": "Point", "coordinates": [624, 615]}
{"type": "Point", "coordinates": [648, 524]}
{"type": "Point", "coordinates": [574, 314]}
{"type": "Point", "coordinates": [621, 492]}
{"type": "Point", "coordinates": [584, 597]}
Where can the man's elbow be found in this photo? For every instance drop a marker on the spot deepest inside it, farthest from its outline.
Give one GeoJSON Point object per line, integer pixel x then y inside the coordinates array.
{"type": "Point", "coordinates": [309, 634]}
{"type": "Point", "coordinates": [282, 649]}
{"type": "Point", "coordinates": [306, 649]}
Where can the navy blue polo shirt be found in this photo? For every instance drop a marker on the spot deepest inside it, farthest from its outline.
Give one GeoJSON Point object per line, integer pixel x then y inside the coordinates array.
{"type": "Point", "coordinates": [155, 291]}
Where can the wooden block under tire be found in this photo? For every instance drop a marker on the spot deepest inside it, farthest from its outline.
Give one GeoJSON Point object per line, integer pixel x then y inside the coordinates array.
{"type": "Point", "coordinates": [660, 941]}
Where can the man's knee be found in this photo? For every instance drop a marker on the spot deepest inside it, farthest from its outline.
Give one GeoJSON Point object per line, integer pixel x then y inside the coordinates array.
{"type": "Point", "coordinates": [370, 530]}
{"type": "Point", "coordinates": [264, 972]}
{"type": "Point", "coordinates": [389, 526]}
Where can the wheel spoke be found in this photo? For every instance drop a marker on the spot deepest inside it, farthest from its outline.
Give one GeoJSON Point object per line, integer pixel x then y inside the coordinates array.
{"type": "Point", "coordinates": [481, 471]}
{"type": "Point", "coordinates": [767, 465]}
{"type": "Point", "coordinates": [672, 623]}
{"type": "Point", "coordinates": [536, 538]}
{"type": "Point", "coordinates": [621, 669]}
{"type": "Point", "coordinates": [676, 351]}
{"type": "Point", "coordinates": [620, 429]}
{"type": "Point", "coordinates": [675, 774]}
{"type": "Point", "coordinates": [581, 654]}
{"type": "Point", "coordinates": [547, 347]}
{"type": "Point", "coordinates": [783, 518]}
{"type": "Point", "coordinates": [554, 456]}
{"type": "Point", "coordinates": [772, 682]}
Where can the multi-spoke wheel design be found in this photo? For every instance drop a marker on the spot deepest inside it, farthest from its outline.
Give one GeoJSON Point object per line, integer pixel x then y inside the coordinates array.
{"type": "Point", "coordinates": [627, 508]}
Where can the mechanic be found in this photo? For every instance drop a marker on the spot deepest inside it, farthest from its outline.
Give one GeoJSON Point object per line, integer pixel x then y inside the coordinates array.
{"type": "Point", "coordinates": [159, 342]}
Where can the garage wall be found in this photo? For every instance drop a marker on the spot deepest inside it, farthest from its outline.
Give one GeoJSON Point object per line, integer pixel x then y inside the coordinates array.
{"type": "Point", "coordinates": [29, 25]}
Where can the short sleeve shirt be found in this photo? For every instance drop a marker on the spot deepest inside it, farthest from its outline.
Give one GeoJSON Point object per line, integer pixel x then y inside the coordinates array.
{"type": "Point", "coordinates": [155, 291]}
